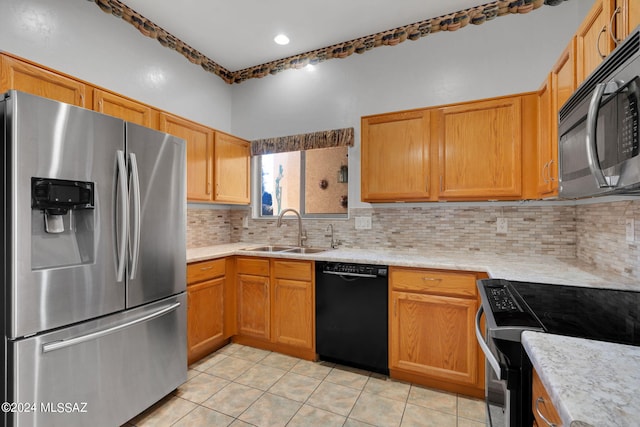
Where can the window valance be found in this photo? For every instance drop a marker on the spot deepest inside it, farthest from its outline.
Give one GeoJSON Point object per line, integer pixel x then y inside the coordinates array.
{"type": "Point", "coordinates": [304, 141]}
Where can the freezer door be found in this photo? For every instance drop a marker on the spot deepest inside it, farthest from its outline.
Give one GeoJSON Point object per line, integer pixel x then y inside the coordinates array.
{"type": "Point", "coordinates": [101, 373]}
{"type": "Point", "coordinates": [157, 188]}
{"type": "Point", "coordinates": [67, 273]}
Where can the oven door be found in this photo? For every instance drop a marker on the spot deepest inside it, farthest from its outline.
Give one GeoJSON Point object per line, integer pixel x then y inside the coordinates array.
{"type": "Point", "coordinates": [496, 392]}
{"type": "Point", "coordinates": [508, 379]}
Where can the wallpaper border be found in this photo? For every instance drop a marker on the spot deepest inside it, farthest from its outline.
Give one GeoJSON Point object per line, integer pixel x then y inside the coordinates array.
{"type": "Point", "coordinates": [451, 22]}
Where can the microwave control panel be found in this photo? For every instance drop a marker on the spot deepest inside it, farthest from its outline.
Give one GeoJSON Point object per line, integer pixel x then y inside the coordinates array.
{"type": "Point", "coordinates": [628, 116]}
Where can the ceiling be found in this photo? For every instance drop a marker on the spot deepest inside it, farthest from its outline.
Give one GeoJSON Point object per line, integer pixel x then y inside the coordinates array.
{"type": "Point", "coordinates": [238, 34]}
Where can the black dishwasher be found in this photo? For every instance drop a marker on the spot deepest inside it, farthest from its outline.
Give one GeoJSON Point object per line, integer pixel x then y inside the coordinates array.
{"type": "Point", "coordinates": [351, 315]}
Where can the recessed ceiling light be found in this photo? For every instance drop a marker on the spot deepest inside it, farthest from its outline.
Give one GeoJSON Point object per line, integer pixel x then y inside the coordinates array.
{"type": "Point", "coordinates": [281, 39]}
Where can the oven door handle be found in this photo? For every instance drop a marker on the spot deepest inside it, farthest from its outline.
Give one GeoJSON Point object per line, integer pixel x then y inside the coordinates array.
{"type": "Point", "coordinates": [485, 348]}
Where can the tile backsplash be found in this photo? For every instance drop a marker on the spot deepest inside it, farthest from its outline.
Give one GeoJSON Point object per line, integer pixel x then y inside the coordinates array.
{"type": "Point", "coordinates": [593, 233]}
{"type": "Point", "coordinates": [207, 227]}
{"type": "Point", "coordinates": [531, 230]}
{"type": "Point", "coordinates": [602, 239]}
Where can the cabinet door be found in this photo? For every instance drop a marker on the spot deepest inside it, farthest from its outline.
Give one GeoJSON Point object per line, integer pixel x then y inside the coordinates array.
{"type": "Point", "coordinates": [293, 313]}
{"type": "Point", "coordinates": [481, 150]}
{"type": "Point", "coordinates": [594, 41]}
{"type": "Point", "coordinates": [395, 157]}
{"type": "Point", "coordinates": [199, 141]}
{"type": "Point", "coordinates": [125, 109]}
{"type": "Point", "coordinates": [232, 169]}
{"type": "Point", "coordinates": [18, 75]}
{"type": "Point", "coordinates": [205, 317]}
{"type": "Point", "coordinates": [627, 17]}
{"type": "Point", "coordinates": [547, 145]}
{"type": "Point", "coordinates": [433, 335]}
{"type": "Point", "coordinates": [253, 306]}
{"type": "Point", "coordinates": [542, 404]}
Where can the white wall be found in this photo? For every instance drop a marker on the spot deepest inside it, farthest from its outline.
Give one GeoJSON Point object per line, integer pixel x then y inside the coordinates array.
{"type": "Point", "coordinates": [76, 37]}
{"type": "Point", "coordinates": [511, 54]}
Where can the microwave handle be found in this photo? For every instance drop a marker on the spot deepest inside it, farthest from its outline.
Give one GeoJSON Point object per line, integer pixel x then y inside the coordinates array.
{"type": "Point", "coordinates": [592, 150]}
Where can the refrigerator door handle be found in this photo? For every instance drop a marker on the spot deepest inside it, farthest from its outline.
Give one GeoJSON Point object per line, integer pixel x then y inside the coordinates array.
{"type": "Point", "coordinates": [124, 214]}
{"type": "Point", "coordinates": [135, 184]}
{"type": "Point", "coordinates": [57, 345]}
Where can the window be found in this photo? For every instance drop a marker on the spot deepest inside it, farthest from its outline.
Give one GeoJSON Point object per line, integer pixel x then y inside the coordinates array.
{"type": "Point", "coordinates": [313, 182]}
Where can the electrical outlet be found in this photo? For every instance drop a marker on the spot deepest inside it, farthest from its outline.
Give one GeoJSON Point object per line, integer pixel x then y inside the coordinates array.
{"type": "Point", "coordinates": [502, 226]}
{"type": "Point", "coordinates": [630, 230]}
{"type": "Point", "coordinates": [363, 223]}
{"type": "Point", "coordinates": [245, 222]}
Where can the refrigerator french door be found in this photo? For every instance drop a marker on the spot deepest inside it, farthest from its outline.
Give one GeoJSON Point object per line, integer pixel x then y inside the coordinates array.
{"type": "Point", "coordinates": [94, 267]}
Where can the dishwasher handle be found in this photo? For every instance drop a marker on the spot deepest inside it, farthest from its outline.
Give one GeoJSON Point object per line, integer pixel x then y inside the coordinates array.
{"type": "Point", "coordinates": [336, 273]}
{"type": "Point", "coordinates": [495, 364]}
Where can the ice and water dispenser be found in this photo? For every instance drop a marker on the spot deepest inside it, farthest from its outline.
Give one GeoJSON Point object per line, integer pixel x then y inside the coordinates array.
{"type": "Point", "coordinates": [62, 223]}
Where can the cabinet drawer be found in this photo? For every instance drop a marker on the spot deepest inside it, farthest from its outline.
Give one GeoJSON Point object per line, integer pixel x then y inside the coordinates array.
{"type": "Point", "coordinates": [297, 270]}
{"type": "Point", "coordinates": [253, 266]}
{"type": "Point", "coordinates": [434, 282]}
{"type": "Point", "coordinates": [199, 271]}
{"type": "Point", "coordinates": [541, 403]}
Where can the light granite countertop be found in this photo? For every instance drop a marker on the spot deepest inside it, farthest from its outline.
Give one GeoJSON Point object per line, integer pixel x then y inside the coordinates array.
{"type": "Point", "coordinates": [537, 269]}
{"type": "Point", "coordinates": [591, 383]}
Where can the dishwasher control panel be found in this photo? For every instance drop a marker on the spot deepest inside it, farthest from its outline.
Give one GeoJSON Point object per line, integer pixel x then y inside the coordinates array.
{"type": "Point", "coordinates": [348, 269]}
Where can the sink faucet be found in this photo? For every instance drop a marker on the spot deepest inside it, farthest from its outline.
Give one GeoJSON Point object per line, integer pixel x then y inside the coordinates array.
{"type": "Point", "coordinates": [302, 235]}
{"type": "Point", "coordinates": [334, 242]}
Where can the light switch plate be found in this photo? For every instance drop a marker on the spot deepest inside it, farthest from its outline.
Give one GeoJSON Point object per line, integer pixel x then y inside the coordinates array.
{"type": "Point", "coordinates": [363, 223]}
{"type": "Point", "coordinates": [630, 230]}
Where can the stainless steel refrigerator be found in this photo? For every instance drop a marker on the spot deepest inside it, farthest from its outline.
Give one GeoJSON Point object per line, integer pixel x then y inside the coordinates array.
{"type": "Point", "coordinates": [93, 226]}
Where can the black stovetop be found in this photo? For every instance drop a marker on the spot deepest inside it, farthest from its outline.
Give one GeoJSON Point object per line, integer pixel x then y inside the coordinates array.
{"type": "Point", "coordinates": [593, 313]}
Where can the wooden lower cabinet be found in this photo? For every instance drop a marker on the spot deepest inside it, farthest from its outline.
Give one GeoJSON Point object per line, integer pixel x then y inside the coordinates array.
{"type": "Point", "coordinates": [253, 306]}
{"type": "Point", "coordinates": [207, 294]}
{"type": "Point", "coordinates": [542, 405]}
{"type": "Point", "coordinates": [276, 309]}
{"type": "Point", "coordinates": [205, 315]}
{"type": "Point", "coordinates": [432, 337]}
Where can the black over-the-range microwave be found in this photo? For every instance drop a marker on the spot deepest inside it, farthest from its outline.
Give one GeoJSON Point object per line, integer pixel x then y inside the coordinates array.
{"type": "Point", "coordinates": [598, 128]}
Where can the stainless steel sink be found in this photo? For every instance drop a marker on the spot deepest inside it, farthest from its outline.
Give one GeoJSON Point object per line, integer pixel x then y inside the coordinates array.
{"type": "Point", "coordinates": [306, 250]}
{"type": "Point", "coordinates": [289, 249]}
{"type": "Point", "coordinates": [270, 248]}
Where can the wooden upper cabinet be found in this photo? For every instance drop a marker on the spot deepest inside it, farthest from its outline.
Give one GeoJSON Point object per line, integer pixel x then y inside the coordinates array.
{"type": "Point", "coordinates": [232, 169]}
{"type": "Point", "coordinates": [396, 163]}
{"type": "Point", "coordinates": [199, 141]}
{"type": "Point", "coordinates": [564, 79]}
{"type": "Point", "coordinates": [627, 17]}
{"type": "Point", "coordinates": [25, 77]}
{"type": "Point", "coordinates": [554, 92]}
{"type": "Point", "coordinates": [125, 109]}
{"type": "Point", "coordinates": [593, 38]}
{"type": "Point", "coordinates": [547, 159]}
{"type": "Point", "coordinates": [480, 146]}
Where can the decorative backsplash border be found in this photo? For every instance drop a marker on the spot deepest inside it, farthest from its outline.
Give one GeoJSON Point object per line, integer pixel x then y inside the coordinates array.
{"type": "Point", "coordinates": [304, 141]}
{"type": "Point", "coordinates": [451, 22]}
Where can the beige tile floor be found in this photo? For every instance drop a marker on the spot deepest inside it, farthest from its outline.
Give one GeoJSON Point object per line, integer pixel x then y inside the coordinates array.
{"type": "Point", "coordinates": [243, 386]}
